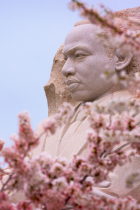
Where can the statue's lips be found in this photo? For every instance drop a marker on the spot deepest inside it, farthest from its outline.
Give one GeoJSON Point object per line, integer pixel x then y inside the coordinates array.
{"type": "Point", "coordinates": [72, 84]}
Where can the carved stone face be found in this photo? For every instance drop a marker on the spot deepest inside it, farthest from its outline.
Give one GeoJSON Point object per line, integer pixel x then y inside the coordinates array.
{"type": "Point", "coordinates": [86, 60]}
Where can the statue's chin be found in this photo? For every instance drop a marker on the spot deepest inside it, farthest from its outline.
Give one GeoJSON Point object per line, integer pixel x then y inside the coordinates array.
{"type": "Point", "coordinates": [86, 96]}
{"type": "Point", "coordinates": [82, 97]}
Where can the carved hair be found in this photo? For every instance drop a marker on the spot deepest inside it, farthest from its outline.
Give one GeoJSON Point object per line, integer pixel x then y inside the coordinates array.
{"type": "Point", "coordinates": [134, 65]}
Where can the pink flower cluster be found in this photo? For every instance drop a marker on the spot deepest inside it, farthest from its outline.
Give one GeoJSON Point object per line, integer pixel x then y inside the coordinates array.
{"type": "Point", "coordinates": [55, 184]}
{"type": "Point", "coordinates": [106, 19]}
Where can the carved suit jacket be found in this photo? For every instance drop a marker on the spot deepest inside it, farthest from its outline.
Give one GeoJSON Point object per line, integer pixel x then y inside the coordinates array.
{"type": "Point", "coordinates": [74, 133]}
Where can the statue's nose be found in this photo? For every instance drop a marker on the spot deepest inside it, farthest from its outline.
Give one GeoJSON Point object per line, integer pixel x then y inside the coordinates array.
{"type": "Point", "coordinates": [68, 70]}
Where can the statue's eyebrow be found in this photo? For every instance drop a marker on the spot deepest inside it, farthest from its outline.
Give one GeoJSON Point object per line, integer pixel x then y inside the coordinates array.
{"type": "Point", "coordinates": [78, 47]}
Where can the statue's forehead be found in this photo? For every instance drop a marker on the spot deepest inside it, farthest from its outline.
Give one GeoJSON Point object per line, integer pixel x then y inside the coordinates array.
{"type": "Point", "coordinates": [82, 35]}
{"type": "Point", "coordinates": [84, 32]}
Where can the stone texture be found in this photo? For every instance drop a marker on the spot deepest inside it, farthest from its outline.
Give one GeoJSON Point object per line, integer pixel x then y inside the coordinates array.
{"type": "Point", "coordinates": [127, 13]}
{"type": "Point", "coordinates": [132, 14]}
{"type": "Point", "coordinates": [55, 89]}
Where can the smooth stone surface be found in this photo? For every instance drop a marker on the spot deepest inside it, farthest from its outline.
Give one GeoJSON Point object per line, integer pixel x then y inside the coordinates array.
{"type": "Point", "coordinates": [55, 89]}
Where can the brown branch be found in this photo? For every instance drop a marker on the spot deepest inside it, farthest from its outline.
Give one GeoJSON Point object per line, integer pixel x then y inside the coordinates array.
{"type": "Point", "coordinates": [96, 18]}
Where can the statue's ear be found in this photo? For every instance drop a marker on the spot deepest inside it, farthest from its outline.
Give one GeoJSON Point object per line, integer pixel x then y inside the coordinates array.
{"type": "Point", "coordinates": [123, 58]}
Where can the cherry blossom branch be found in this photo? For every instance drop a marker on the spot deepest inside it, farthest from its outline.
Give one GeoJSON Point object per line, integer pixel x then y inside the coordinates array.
{"type": "Point", "coordinates": [4, 184]}
{"type": "Point", "coordinates": [57, 184]}
{"type": "Point", "coordinates": [108, 22]}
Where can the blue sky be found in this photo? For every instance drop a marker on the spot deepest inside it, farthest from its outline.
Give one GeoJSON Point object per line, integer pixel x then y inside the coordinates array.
{"type": "Point", "coordinates": [31, 31]}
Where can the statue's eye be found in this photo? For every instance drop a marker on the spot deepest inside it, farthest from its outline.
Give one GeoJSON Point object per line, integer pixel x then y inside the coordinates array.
{"type": "Point", "coordinates": [79, 55]}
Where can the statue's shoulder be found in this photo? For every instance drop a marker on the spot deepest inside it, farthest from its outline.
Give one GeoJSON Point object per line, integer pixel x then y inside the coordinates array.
{"type": "Point", "coordinates": [39, 127]}
{"type": "Point", "coordinates": [41, 123]}
{"type": "Point", "coordinates": [39, 132]}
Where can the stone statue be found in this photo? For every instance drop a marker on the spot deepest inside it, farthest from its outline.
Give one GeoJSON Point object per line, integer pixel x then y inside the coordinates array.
{"type": "Point", "coordinates": [85, 58]}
